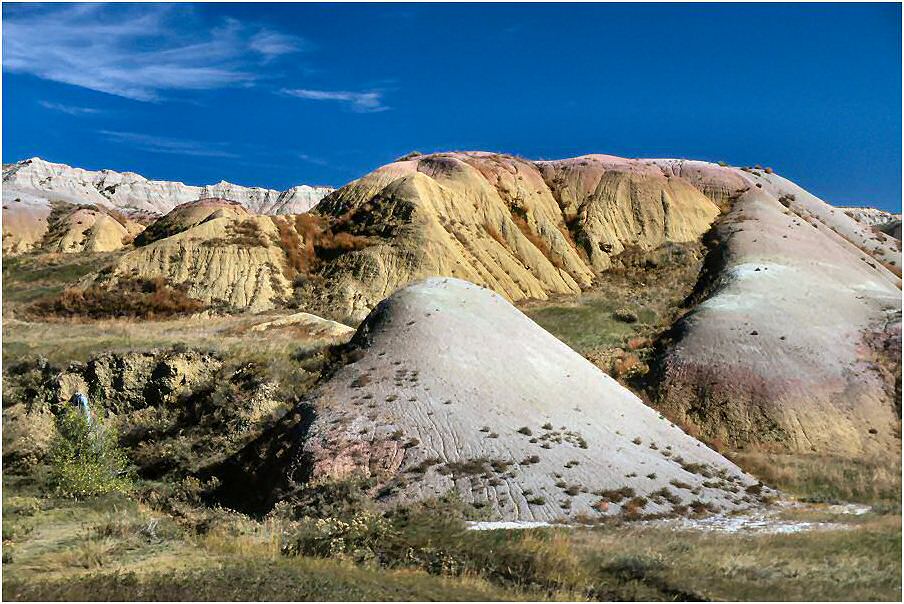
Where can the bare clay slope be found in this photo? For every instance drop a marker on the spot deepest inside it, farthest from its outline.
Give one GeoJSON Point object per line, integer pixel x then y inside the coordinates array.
{"type": "Point", "coordinates": [796, 343]}
{"type": "Point", "coordinates": [455, 389]}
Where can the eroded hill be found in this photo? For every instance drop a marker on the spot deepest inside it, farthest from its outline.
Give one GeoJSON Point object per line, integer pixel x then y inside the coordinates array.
{"type": "Point", "coordinates": [506, 223]}
{"type": "Point", "coordinates": [451, 388]}
{"type": "Point", "coordinates": [795, 341]}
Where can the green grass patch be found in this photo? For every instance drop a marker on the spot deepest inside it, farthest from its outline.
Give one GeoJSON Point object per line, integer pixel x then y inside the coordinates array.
{"type": "Point", "coordinates": [114, 548]}
{"type": "Point", "coordinates": [30, 277]}
{"type": "Point", "coordinates": [589, 323]}
{"type": "Point", "coordinates": [828, 479]}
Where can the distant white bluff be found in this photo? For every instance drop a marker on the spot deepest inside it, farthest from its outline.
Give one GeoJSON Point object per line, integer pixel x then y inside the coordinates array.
{"type": "Point", "coordinates": [38, 182]}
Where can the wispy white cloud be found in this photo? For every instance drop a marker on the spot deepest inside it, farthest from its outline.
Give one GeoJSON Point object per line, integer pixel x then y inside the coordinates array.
{"type": "Point", "coordinates": [174, 146]}
{"type": "Point", "coordinates": [311, 159]}
{"type": "Point", "coordinates": [361, 102]}
{"type": "Point", "coordinates": [136, 51]}
{"type": "Point", "coordinates": [273, 44]}
{"type": "Point", "coordinates": [68, 109]}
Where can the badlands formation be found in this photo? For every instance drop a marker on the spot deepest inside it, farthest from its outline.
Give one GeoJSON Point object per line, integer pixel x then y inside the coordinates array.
{"type": "Point", "coordinates": [880, 220]}
{"type": "Point", "coordinates": [524, 229]}
{"type": "Point", "coordinates": [454, 388]}
{"type": "Point", "coordinates": [31, 187]}
{"type": "Point", "coordinates": [791, 339]}
{"type": "Point", "coordinates": [216, 250]}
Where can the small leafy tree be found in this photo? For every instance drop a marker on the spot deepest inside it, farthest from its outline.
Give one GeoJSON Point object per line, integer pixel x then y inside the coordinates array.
{"type": "Point", "coordinates": [86, 459]}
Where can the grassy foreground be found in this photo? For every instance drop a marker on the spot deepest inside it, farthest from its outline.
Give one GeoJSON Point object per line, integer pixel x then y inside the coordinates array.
{"type": "Point", "coordinates": [120, 548]}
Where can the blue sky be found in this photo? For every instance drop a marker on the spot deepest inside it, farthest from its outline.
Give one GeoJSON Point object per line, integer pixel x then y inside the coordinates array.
{"type": "Point", "coordinates": [276, 95]}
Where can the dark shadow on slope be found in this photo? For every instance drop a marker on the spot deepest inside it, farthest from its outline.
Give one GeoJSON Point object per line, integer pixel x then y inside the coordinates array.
{"type": "Point", "coordinates": [266, 470]}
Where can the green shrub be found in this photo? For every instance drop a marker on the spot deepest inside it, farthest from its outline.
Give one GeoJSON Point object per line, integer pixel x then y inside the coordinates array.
{"type": "Point", "coordinates": [86, 459]}
{"type": "Point", "coordinates": [432, 536]}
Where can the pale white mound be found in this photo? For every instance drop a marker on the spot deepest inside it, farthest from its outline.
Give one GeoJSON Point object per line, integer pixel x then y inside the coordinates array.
{"type": "Point", "coordinates": [798, 343]}
{"type": "Point", "coordinates": [454, 389]}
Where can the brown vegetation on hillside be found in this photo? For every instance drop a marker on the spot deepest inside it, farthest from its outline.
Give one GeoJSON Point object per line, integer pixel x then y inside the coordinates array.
{"type": "Point", "coordinates": [309, 238]}
{"type": "Point", "coordinates": [133, 298]}
{"type": "Point", "coordinates": [246, 233]}
{"type": "Point", "coordinates": [494, 233]}
{"type": "Point", "coordinates": [297, 261]}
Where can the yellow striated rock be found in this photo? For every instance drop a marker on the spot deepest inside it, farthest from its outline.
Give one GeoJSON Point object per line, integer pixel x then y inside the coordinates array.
{"type": "Point", "coordinates": [222, 260]}
{"type": "Point", "coordinates": [24, 225]}
{"type": "Point", "coordinates": [188, 215]}
{"type": "Point", "coordinates": [525, 229]}
{"type": "Point", "coordinates": [90, 230]}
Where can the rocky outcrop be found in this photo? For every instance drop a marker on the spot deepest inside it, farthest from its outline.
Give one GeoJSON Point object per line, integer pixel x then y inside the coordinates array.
{"type": "Point", "coordinates": [453, 389]}
{"type": "Point", "coordinates": [176, 410]}
{"type": "Point", "coordinates": [494, 220]}
{"type": "Point", "coordinates": [881, 221]}
{"type": "Point", "coordinates": [870, 216]}
{"type": "Point", "coordinates": [130, 191]}
{"type": "Point", "coordinates": [126, 389]}
{"type": "Point", "coordinates": [30, 186]}
{"type": "Point", "coordinates": [125, 383]}
{"type": "Point", "coordinates": [785, 266]}
{"type": "Point", "coordinates": [777, 351]}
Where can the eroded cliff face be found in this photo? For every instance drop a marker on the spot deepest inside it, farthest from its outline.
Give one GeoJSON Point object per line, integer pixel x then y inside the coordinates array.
{"type": "Point", "coordinates": [779, 348]}
{"type": "Point", "coordinates": [871, 216]}
{"type": "Point", "coordinates": [229, 260]}
{"type": "Point", "coordinates": [130, 191]}
{"type": "Point", "coordinates": [74, 229]}
{"type": "Point", "coordinates": [777, 352]}
{"type": "Point", "coordinates": [497, 221]}
{"type": "Point", "coordinates": [177, 411]}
